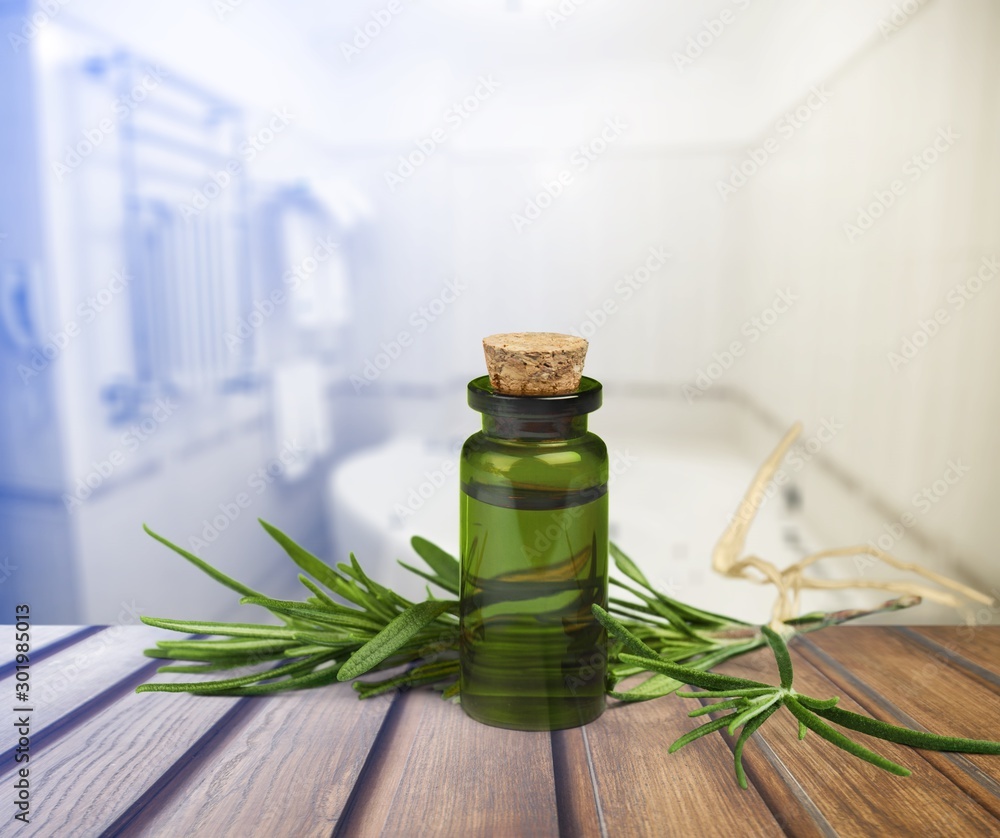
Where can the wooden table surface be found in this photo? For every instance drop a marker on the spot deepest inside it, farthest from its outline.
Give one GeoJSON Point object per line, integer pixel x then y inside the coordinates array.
{"type": "Point", "coordinates": [106, 761]}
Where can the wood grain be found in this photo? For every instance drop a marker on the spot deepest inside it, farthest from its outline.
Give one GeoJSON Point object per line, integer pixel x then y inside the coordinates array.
{"type": "Point", "coordinates": [856, 798]}
{"type": "Point", "coordinates": [44, 642]}
{"type": "Point", "coordinates": [927, 693]}
{"type": "Point", "coordinates": [448, 775]}
{"type": "Point", "coordinates": [287, 767]}
{"type": "Point", "coordinates": [320, 762]}
{"type": "Point", "coordinates": [976, 645]}
{"type": "Point", "coordinates": [578, 804]}
{"type": "Point", "coordinates": [94, 771]}
{"type": "Point", "coordinates": [646, 791]}
{"type": "Point", "coordinates": [76, 673]}
{"type": "Point", "coordinates": [78, 679]}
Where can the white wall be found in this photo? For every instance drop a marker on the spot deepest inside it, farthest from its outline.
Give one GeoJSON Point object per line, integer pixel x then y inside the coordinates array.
{"type": "Point", "coordinates": [859, 299]}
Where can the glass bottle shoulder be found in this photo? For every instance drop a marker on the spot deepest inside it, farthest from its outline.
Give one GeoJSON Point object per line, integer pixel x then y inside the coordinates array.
{"type": "Point", "coordinates": [579, 462]}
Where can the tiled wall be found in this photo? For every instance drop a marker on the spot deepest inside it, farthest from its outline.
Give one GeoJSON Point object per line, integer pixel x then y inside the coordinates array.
{"type": "Point", "coordinates": [860, 296]}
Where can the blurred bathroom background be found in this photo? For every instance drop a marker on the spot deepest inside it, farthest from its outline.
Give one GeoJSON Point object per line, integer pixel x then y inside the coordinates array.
{"type": "Point", "coordinates": [248, 252]}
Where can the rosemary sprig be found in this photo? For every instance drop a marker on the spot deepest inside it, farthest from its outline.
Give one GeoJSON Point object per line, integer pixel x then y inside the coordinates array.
{"type": "Point", "coordinates": [682, 633]}
{"type": "Point", "coordinates": [749, 704]}
{"type": "Point", "coordinates": [323, 641]}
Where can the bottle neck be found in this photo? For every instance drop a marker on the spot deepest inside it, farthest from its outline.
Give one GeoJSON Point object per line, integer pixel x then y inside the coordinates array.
{"type": "Point", "coordinates": [534, 428]}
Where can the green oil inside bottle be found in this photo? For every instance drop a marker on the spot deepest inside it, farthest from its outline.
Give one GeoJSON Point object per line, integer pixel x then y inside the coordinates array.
{"type": "Point", "coordinates": [534, 534]}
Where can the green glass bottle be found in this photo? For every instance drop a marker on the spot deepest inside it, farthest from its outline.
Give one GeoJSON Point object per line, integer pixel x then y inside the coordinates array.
{"type": "Point", "coordinates": [534, 548]}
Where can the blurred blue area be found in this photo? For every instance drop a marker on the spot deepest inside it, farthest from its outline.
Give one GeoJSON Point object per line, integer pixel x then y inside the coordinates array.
{"type": "Point", "coordinates": [172, 327]}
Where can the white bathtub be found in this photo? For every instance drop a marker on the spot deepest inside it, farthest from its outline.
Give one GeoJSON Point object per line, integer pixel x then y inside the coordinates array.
{"type": "Point", "coordinates": [671, 496]}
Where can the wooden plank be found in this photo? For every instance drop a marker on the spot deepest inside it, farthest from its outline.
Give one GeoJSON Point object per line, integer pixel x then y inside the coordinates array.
{"type": "Point", "coordinates": [444, 774]}
{"type": "Point", "coordinates": [577, 797]}
{"type": "Point", "coordinates": [977, 646]}
{"type": "Point", "coordinates": [75, 673]}
{"type": "Point", "coordinates": [768, 768]}
{"type": "Point", "coordinates": [853, 797]}
{"type": "Point", "coordinates": [77, 679]}
{"type": "Point", "coordinates": [903, 682]}
{"type": "Point", "coordinates": [368, 807]}
{"type": "Point", "coordinates": [645, 791]}
{"type": "Point", "coordinates": [44, 641]}
{"type": "Point", "coordinates": [285, 767]}
{"type": "Point", "coordinates": [96, 758]}
{"type": "Point", "coordinates": [43, 637]}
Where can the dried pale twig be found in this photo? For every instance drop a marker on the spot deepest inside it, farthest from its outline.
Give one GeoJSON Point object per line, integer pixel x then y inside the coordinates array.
{"type": "Point", "coordinates": [728, 558]}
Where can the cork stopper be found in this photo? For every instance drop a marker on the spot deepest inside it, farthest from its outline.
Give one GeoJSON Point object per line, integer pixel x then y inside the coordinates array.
{"type": "Point", "coordinates": [534, 363]}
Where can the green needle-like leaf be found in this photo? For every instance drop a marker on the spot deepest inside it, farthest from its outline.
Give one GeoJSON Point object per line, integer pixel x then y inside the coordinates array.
{"type": "Point", "coordinates": [443, 564]}
{"type": "Point", "coordinates": [337, 615]}
{"type": "Point", "coordinates": [708, 680]}
{"type": "Point", "coordinates": [748, 730]}
{"type": "Point", "coordinates": [204, 566]}
{"type": "Point", "coordinates": [232, 683]}
{"type": "Point", "coordinates": [698, 732]}
{"type": "Point", "coordinates": [617, 630]}
{"type": "Point", "coordinates": [319, 678]}
{"type": "Point", "coordinates": [320, 594]}
{"type": "Point", "coordinates": [312, 565]}
{"type": "Point", "coordinates": [213, 658]}
{"type": "Point", "coordinates": [228, 629]}
{"type": "Point", "coordinates": [430, 577]}
{"type": "Point", "coordinates": [688, 612]}
{"type": "Point", "coordinates": [717, 707]}
{"type": "Point", "coordinates": [224, 647]}
{"type": "Point", "coordinates": [628, 567]}
{"type": "Point", "coordinates": [784, 660]}
{"type": "Point", "coordinates": [200, 668]}
{"type": "Point", "coordinates": [394, 636]}
{"type": "Point", "coordinates": [738, 691]}
{"type": "Point", "coordinates": [386, 600]}
{"type": "Point", "coordinates": [817, 703]}
{"type": "Point", "coordinates": [304, 651]}
{"type": "Point", "coordinates": [431, 673]}
{"type": "Point", "coordinates": [754, 709]}
{"type": "Point", "coordinates": [820, 727]}
{"type": "Point", "coordinates": [656, 686]}
{"type": "Point", "coordinates": [906, 736]}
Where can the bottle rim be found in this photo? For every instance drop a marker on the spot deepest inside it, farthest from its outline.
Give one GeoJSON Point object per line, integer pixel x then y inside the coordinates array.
{"type": "Point", "coordinates": [585, 399]}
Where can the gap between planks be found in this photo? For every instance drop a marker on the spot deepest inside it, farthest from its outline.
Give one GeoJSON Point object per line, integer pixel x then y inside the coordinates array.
{"type": "Point", "coordinates": [578, 804]}
{"type": "Point", "coordinates": [60, 637]}
{"type": "Point", "coordinates": [76, 715]}
{"type": "Point", "coordinates": [167, 786]}
{"type": "Point", "coordinates": [985, 790]}
{"type": "Point", "coordinates": [956, 659]}
{"type": "Point", "coordinates": [823, 787]}
{"type": "Point", "coordinates": [777, 797]}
